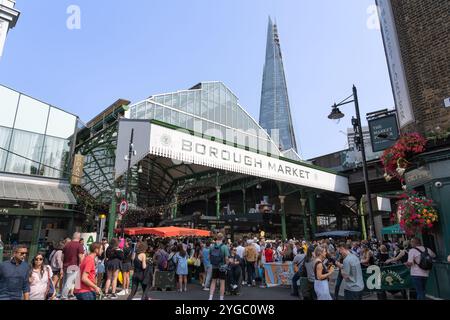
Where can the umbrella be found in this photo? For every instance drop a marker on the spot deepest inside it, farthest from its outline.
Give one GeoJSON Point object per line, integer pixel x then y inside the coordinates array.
{"type": "Point", "coordinates": [166, 232]}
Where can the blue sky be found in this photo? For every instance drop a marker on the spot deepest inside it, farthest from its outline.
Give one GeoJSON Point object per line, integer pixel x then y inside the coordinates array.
{"type": "Point", "coordinates": [133, 49]}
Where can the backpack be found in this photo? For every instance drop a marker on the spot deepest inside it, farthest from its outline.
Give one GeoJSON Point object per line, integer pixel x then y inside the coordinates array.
{"type": "Point", "coordinates": [426, 261]}
{"type": "Point", "coordinates": [216, 255]}
{"type": "Point", "coordinates": [162, 263]}
{"type": "Point", "coordinates": [171, 265]}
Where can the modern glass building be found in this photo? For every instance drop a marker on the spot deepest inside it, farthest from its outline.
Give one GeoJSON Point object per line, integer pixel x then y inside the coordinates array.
{"type": "Point", "coordinates": [209, 108]}
{"type": "Point", "coordinates": [275, 112]}
{"type": "Point", "coordinates": [34, 136]}
{"type": "Point", "coordinates": [36, 141]}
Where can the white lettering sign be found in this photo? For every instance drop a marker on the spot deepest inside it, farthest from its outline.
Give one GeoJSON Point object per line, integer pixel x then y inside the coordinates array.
{"type": "Point", "coordinates": [395, 63]}
{"type": "Point", "coordinates": [182, 146]}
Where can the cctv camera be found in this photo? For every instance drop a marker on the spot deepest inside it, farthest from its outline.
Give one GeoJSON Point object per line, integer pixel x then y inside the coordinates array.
{"type": "Point", "coordinates": [438, 184]}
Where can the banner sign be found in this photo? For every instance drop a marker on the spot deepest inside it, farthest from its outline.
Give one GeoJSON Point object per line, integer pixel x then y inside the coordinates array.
{"type": "Point", "coordinates": [395, 63]}
{"type": "Point", "coordinates": [89, 238]}
{"type": "Point", "coordinates": [179, 145]}
{"type": "Point", "coordinates": [395, 277]}
{"type": "Point", "coordinates": [77, 170]}
{"type": "Point", "coordinates": [277, 273]}
{"type": "Point", "coordinates": [383, 125]}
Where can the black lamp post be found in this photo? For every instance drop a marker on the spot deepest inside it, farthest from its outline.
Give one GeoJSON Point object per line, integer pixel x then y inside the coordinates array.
{"type": "Point", "coordinates": [359, 142]}
{"type": "Point", "coordinates": [131, 152]}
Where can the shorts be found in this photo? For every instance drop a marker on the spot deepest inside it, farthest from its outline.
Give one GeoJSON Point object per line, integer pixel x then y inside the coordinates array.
{"type": "Point", "coordinates": [125, 267]}
{"type": "Point", "coordinates": [217, 274]}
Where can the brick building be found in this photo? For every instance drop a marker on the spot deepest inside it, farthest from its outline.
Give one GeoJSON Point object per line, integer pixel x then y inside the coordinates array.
{"type": "Point", "coordinates": [423, 33]}
{"type": "Point", "coordinates": [417, 45]}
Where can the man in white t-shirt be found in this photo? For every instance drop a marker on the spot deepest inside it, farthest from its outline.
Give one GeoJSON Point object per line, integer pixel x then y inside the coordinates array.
{"type": "Point", "coordinates": [240, 250]}
{"type": "Point", "coordinates": [419, 276]}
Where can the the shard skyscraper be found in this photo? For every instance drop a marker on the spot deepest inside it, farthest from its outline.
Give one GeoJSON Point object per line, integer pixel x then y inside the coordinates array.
{"type": "Point", "coordinates": [275, 112]}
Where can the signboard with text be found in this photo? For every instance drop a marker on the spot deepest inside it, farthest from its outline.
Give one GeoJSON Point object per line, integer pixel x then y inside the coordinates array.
{"type": "Point", "coordinates": [182, 146]}
{"type": "Point", "coordinates": [386, 125]}
{"type": "Point", "coordinates": [395, 63]}
{"type": "Point", "coordinates": [77, 170]}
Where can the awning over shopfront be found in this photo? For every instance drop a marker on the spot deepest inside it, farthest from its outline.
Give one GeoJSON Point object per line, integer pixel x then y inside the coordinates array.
{"type": "Point", "coordinates": [166, 232]}
{"type": "Point", "coordinates": [395, 229]}
{"type": "Point", "coordinates": [18, 188]}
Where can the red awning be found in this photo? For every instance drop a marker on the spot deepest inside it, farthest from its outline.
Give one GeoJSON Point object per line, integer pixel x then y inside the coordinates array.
{"type": "Point", "coordinates": [166, 232]}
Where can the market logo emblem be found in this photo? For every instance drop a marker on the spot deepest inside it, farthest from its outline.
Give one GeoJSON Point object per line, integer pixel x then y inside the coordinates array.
{"type": "Point", "coordinates": [166, 140]}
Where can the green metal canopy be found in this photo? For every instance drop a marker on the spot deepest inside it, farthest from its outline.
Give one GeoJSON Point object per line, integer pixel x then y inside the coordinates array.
{"type": "Point", "coordinates": [395, 229]}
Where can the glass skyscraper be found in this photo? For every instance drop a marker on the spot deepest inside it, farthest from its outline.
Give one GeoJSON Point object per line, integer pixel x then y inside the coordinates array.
{"type": "Point", "coordinates": [275, 113]}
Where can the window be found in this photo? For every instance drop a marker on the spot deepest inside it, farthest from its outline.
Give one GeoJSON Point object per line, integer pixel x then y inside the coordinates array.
{"type": "Point", "coordinates": [150, 111]}
{"type": "Point", "coordinates": [55, 155]}
{"type": "Point", "coordinates": [140, 111]}
{"type": "Point", "coordinates": [197, 103]}
{"type": "Point", "coordinates": [190, 103]}
{"type": "Point", "coordinates": [159, 113]}
{"type": "Point", "coordinates": [183, 101]}
{"type": "Point", "coordinates": [61, 124]}
{"type": "Point", "coordinates": [8, 106]}
{"type": "Point", "coordinates": [5, 136]}
{"type": "Point", "coordinates": [25, 145]}
{"type": "Point", "coordinates": [32, 115]}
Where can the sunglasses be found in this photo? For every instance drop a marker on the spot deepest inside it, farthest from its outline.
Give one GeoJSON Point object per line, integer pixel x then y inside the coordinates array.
{"type": "Point", "coordinates": [22, 253]}
{"type": "Point", "coordinates": [38, 259]}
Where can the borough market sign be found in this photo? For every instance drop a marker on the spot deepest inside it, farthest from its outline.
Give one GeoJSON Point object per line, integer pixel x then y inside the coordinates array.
{"type": "Point", "coordinates": [179, 145]}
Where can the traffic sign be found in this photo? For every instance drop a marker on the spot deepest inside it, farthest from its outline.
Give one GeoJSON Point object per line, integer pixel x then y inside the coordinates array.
{"type": "Point", "coordinates": [123, 207]}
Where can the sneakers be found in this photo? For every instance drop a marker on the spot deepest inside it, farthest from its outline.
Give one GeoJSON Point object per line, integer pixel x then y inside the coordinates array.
{"type": "Point", "coordinates": [122, 293]}
{"type": "Point", "coordinates": [244, 283]}
{"type": "Point", "coordinates": [185, 289]}
{"type": "Point", "coordinates": [234, 286]}
{"type": "Point", "coordinates": [113, 296]}
{"type": "Point", "coordinates": [254, 283]}
{"type": "Point", "coordinates": [205, 289]}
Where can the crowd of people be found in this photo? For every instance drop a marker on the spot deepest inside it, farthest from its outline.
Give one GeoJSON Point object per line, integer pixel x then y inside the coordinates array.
{"type": "Point", "coordinates": [105, 270]}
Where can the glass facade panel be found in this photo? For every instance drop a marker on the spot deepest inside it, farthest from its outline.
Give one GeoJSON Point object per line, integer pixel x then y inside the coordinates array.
{"type": "Point", "coordinates": [8, 106]}
{"type": "Point", "coordinates": [27, 147]}
{"type": "Point", "coordinates": [216, 103]}
{"type": "Point", "coordinates": [183, 101]}
{"type": "Point", "coordinates": [60, 124]}
{"type": "Point", "coordinates": [167, 112]}
{"type": "Point", "coordinates": [197, 103]}
{"type": "Point", "coordinates": [150, 111]}
{"type": "Point", "coordinates": [159, 113]}
{"type": "Point", "coordinates": [31, 115]}
{"type": "Point", "coordinates": [140, 111]}
{"type": "Point", "coordinates": [190, 103]}
{"type": "Point", "coordinates": [5, 136]}
{"type": "Point", "coordinates": [55, 156]}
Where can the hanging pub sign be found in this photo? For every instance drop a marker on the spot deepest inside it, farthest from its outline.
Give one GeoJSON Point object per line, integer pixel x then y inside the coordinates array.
{"type": "Point", "coordinates": [77, 170]}
{"type": "Point", "coordinates": [383, 131]}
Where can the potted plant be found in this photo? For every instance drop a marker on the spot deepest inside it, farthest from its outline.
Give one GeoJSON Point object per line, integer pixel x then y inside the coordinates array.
{"type": "Point", "coordinates": [417, 214]}
{"type": "Point", "coordinates": [395, 158]}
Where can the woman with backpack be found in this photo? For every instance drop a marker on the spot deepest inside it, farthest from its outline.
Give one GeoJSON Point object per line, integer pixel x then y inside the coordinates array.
{"type": "Point", "coordinates": [40, 277]}
{"type": "Point", "coordinates": [56, 264]}
{"type": "Point", "coordinates": [181, 259]}
{"type": "Point", "coordinates": [115, 257]}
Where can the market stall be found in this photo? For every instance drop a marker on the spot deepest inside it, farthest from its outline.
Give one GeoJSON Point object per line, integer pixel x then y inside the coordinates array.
{"type": "Point", "coordinates": [166, 232]}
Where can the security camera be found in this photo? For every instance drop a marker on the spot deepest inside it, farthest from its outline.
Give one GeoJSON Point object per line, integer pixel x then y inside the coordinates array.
{"type": "Point", "coordinates": [438, 184]}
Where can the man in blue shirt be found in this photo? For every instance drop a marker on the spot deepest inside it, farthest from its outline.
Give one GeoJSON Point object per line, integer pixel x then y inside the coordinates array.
{"type": "Point", "coordinates": [14, 283]}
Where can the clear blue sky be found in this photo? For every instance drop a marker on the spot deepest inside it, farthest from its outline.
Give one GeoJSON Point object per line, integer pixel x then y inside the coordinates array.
{"type": "Point", "coordinates": [133, 49]}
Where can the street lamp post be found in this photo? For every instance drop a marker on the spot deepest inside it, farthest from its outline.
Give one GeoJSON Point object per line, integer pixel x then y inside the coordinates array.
{"type": "Point", "coordinates": [131, 152]}
{"type": "Point", "coordinates": [337, 114]}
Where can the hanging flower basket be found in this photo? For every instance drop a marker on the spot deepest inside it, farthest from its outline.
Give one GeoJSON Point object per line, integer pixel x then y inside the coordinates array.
{"type": "Point", "coordinates": [417, 214]}
{"type": "Point", "coordinates": [395, 159]}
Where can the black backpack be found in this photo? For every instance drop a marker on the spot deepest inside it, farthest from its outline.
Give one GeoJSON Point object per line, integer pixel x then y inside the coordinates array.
{"type": "Point", "coordinates": [426, 261]}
